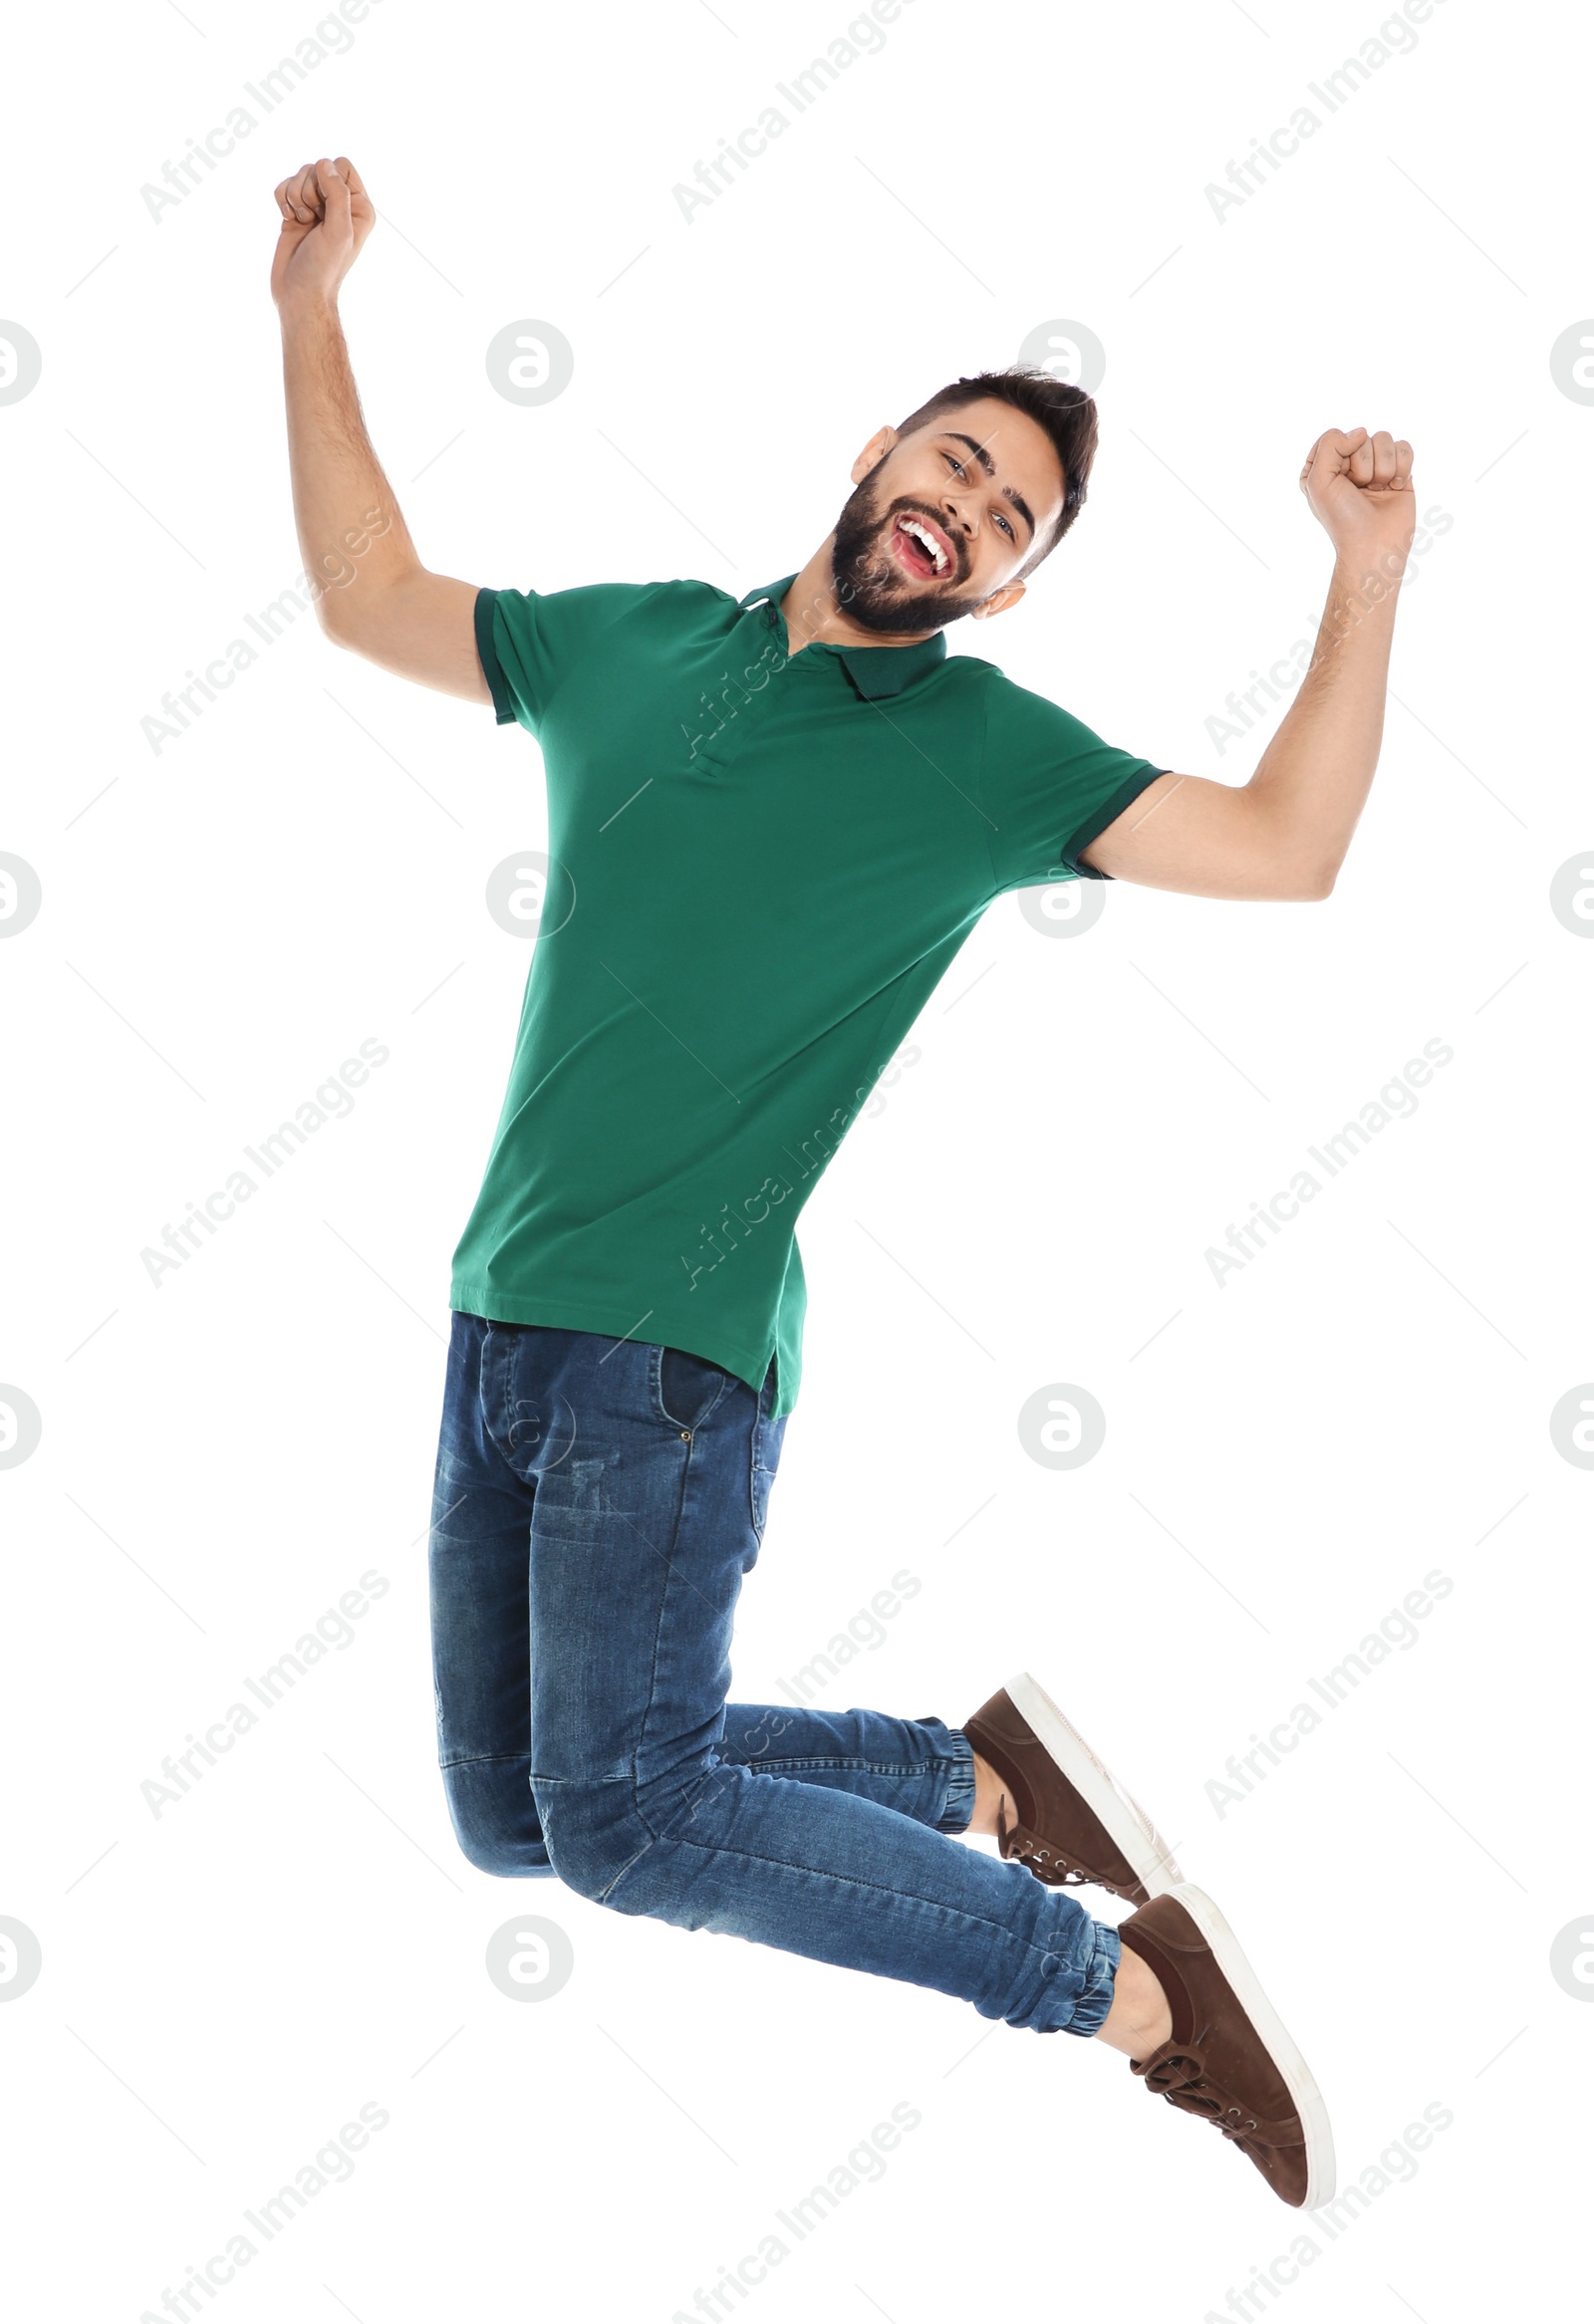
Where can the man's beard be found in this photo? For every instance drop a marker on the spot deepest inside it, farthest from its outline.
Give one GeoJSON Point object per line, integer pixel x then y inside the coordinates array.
{"type": "Point", "coordinates": [872, 589]}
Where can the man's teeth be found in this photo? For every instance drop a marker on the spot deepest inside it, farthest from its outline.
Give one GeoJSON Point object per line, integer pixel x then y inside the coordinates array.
{"type": "Point", "coordinates": [926, 541]}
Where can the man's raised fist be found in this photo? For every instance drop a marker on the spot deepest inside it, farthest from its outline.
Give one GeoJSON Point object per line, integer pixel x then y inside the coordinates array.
{"type": "Point", "coordinates": [326, 215]}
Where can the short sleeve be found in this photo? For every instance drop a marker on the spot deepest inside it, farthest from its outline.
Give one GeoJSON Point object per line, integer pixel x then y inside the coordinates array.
{"type": "Point", "coordinates": [529, 642]}
{"type": "Point", "coordinates": [1050, 785]}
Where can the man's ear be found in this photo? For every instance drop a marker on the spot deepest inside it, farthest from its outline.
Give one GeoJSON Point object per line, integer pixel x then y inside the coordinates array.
{"type": "Point", "coordinates": [874, 452]}
{"type": "Point", "coordinates": [998, 601]}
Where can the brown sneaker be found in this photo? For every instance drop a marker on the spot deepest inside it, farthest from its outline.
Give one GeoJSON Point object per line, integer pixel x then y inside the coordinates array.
{"type": "Point", "coordinates": [1076, 1822]}
{"type": "Point", "coordinates": [1229, 2059]}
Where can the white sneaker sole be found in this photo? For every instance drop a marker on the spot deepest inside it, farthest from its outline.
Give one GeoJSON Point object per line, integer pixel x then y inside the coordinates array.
{"type": "Point", "coordinates": [1130, 1827]}
{"type": "Point", "coordinates": [1297, 2075]}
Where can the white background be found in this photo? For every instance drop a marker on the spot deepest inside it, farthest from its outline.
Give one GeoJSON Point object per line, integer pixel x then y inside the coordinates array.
{"type": "Point", "coordinates": [226, 1984]}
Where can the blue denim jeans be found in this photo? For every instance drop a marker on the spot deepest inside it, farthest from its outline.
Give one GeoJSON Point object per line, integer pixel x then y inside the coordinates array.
{"type": "Point", "coordinates": [597, 1503]}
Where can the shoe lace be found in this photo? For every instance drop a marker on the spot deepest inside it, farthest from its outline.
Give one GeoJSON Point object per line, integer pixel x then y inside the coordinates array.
{"type": "Point", "coordinates": [1020, 1845]}
{"type": "Point", "coordinates": [1181, 2077]}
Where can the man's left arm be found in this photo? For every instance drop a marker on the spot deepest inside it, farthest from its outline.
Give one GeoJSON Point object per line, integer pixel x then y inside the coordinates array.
{"type": "Point", "coordinates": [1284, 834]}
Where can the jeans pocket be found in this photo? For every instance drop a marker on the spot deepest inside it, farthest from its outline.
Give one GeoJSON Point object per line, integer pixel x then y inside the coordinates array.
{"type": "Point", "coordinates": [762, 1479]}
{"type": "Point", "coordinates": [686, 1388]}
{"type": "Point", "coordinates": [767, 1436]}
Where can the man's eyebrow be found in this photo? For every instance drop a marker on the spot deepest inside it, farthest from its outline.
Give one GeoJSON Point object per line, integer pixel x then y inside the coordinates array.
{"type": "Point", "coordinates": [989, 466]}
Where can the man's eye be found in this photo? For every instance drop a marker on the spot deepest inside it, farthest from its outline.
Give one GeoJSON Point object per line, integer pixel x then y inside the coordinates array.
{"type": "Point", "coordinates": [1007, 528]}
{"type": "Point", "coordinates": [954, 465]}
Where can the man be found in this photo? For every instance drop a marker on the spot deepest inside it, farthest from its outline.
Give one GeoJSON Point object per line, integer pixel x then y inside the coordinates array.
{"type": "Point", "coordinates": [773, 822]}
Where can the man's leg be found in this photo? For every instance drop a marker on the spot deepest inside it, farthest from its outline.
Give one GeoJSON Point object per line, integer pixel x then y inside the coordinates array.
{"type": "Point", "coordinates": [639, 1808]}
{"type": "Point", "coordinates": [920, 1767]}
{"type": "Point", "coordinates": [481, 1675]}
{"type": "Point", "coordinates": [651, 1472]}
{"type": "Point", "coordinates": [479, 1566]}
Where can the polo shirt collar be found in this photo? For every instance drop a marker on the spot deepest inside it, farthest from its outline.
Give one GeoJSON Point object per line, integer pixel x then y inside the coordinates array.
{"type": "Point", "coordinates": [877, 672]}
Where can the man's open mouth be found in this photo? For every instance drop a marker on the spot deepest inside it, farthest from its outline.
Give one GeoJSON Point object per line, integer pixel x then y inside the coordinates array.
{"type": "Point", "coordinates": [922, 546]}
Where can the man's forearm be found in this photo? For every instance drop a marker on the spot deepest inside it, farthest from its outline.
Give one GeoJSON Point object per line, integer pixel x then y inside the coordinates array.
{"type": "Point", "coordinates": [352, 536]}
{"type": "Point", "coordinates": [1312, 780]}
{"type": "Point", "coordinates": [1283, 835]}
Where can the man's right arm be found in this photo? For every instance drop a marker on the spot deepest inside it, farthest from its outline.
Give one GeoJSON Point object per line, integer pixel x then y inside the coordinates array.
{"type": "Point", "coordinates": [373, 595]}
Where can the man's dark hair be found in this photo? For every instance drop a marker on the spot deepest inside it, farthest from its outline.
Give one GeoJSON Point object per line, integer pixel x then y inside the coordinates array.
{"type": "Point", "coordinates": [1067, 415]}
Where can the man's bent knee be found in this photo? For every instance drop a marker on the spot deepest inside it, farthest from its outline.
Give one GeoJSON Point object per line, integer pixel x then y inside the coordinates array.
{"type": "Point", "coordinates": [593, 1834]}
{"type": "Point", "coordinates": [495, 1818]}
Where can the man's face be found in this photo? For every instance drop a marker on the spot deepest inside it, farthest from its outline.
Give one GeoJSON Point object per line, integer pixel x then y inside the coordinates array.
{"type": "Point", "coordinates": [941, 523]}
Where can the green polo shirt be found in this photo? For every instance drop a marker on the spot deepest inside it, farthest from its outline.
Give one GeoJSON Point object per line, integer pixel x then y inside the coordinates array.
{"type": "Point", "coordinates": [762, 865]}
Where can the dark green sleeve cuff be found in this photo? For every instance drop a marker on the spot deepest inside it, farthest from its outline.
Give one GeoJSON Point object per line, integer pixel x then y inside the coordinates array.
{"type": "Point", "coordinates": [503, 702]}
{"type": "Point", "coordinates": [1109, 812]}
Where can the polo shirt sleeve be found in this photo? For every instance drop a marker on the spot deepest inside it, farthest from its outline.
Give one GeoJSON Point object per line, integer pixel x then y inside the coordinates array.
{"type": "Point", "coordinates": [1050, 785]}
{"type": "Point", "coordinates": [529, 642]}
